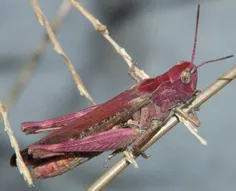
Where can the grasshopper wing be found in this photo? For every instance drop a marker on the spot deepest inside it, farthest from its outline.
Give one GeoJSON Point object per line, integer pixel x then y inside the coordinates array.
{"type": "Point", "coordinates": [101, 118]}
{"type": "Point", "coordinates": [34, 127]}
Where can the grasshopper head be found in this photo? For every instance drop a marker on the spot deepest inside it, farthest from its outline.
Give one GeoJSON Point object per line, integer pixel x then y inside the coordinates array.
{"type": "Point", "coordinates": [178, 83]}
{"type": "Point", "coordinates": [183, 76]}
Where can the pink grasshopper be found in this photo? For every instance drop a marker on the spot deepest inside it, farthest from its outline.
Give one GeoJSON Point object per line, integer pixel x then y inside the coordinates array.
{"type": "Point", "coordinates": [113, 125]}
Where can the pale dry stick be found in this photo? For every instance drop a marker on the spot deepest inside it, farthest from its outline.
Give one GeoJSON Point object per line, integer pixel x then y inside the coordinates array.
{"type": "Point", "coordinates": [57, 47]}
{"type": "Point", "coordinates": [22, 81]}
{"type": "Point", "coordinates": [104, 32]}
{"type": "Point", "coordinates": [19, 161]}
{"type": "Point", "coordinates": [205, 95]}
{"type": "Point", "coordinates": [29, 67]}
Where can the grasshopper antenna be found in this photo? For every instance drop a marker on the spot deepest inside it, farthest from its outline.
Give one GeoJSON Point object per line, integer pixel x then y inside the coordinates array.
{"type": "Point", "coordinates": [195, 45]}
{"type": "Point", "coordinates": [215, 60]}
{"type": "Point", "coordinates": [196, 33]}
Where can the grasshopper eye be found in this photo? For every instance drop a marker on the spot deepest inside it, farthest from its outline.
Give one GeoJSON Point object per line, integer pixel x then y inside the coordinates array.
{"type": "Point", "coordinates": [185, 76]}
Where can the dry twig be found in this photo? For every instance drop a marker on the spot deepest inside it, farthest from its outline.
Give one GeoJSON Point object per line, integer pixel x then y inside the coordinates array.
{"type": "Point", "coordinates": [206, 94]}
{"type": "Point", "coordinates": [121, 164]}
{"type": "Point", "coordinates": [29, 67]}
{"type": "Point", "coordinates": [43, 21]}
{"type": "Point", "coordinates": [22, 81]}
{"type": "Point", "coordinates": [19, 161]}
{"type": "Point", "coordinates": [105, 33]}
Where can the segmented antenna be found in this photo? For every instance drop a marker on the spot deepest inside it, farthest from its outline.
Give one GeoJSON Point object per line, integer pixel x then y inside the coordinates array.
{"type": "Point", "coordinates": [196, 33]}
{"type": "Point", "coordinates": [215, 60]}
{"type": "Point", "coordinates": [195, 44]}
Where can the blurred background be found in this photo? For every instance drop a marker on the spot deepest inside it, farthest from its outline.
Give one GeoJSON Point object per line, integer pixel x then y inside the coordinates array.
{"type": "Point", "coordinates": [156, 34]}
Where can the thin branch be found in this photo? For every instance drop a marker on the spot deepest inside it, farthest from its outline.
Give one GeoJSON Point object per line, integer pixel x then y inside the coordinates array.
{"type": "Point", "coordinates": [102, 29]}
{"type": "Point", "coordinates": [43, 21]}
{"type": "Point", "coordinates": [21, 82]}
{"type": "Point", "coordinates": [30, 67]}
{"type": "Point", "coordinates": [204, 96]}
{"type": "Point", "coordinates": [19, 161]}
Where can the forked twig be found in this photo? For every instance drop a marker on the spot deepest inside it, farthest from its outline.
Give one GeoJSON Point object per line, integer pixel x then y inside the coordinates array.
{"type": "Point", "coordinates": [206, 94]}
{"type": "Point", "coordinates": [43, 21]}
{"type": "Point", "coordinates": [105, 33]}
{"type": "Point", "coordinates": [29, 67]}
{"type": "Point", "coordinates": [19, 161]}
